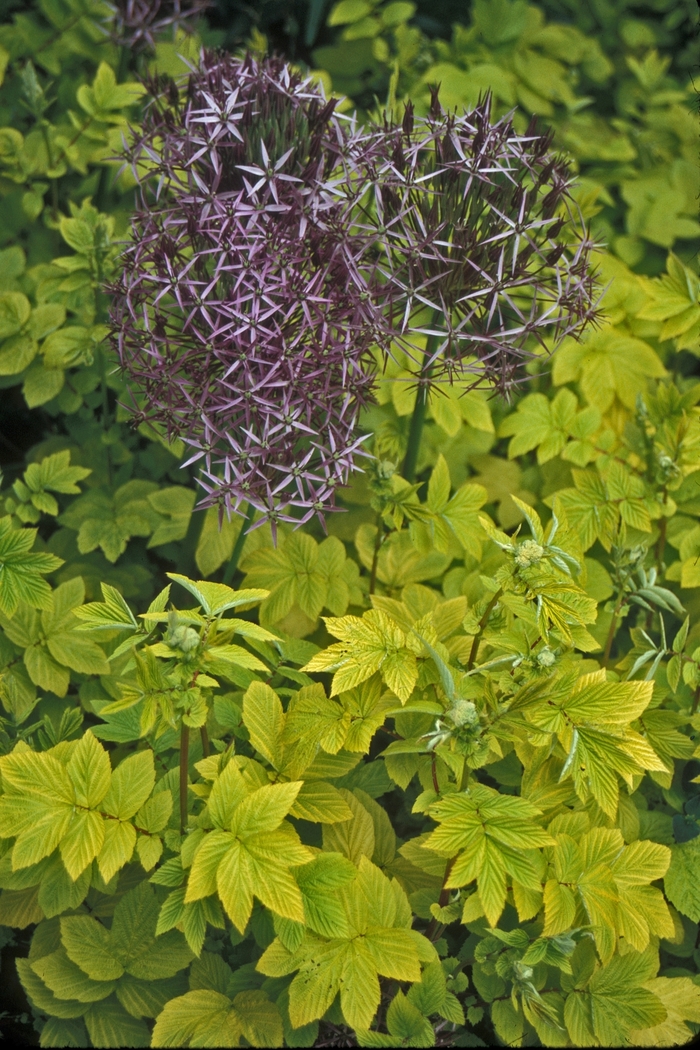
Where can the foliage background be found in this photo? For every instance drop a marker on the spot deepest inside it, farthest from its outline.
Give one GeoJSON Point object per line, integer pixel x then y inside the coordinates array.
{"type": "Point", "coordinates": [606, 434]}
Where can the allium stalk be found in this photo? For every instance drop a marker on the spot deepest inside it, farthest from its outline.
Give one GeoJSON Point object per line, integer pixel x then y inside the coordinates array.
{"type": "Point", "coordinates": [278, 248]}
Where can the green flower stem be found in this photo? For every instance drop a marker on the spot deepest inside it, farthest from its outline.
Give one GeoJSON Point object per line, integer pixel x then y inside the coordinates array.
{"type": "Point", "coordinates": [435, 928]}
{"type": "Point", "coordinates": [238, 546]}
{"type": "Point", "coordinates": [418, 418]}
{"type": "Point", "coordinates": [415, 432]}
{"type": "Point", "coordinates": [482, 627]}
{"type": "Point", "coordinates": [105, 408]}
{"type": "Point", "coordinates": [613, 629]}
{"type": "Point", "coordinates": [184, 762]}
{"type": "Point", "coordinates": [379, 540]}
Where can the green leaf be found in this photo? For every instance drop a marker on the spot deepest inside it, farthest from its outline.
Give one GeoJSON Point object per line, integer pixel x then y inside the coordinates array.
{"type": "Point", "coordinates": [682, 881]}
{"type": "Point", "coordinates": [260, 1019]}
{"type": "Point", "coordinates": [131, 784]}
{"type": "Point", "coordinates": [68, 981]}
{"type": "Point", "coordinates": [147, 998]}
{"type": "Point", "coordinates": [264, 720]}
{"type": "Point", "coordinates": [43, 998]}
{"type": "Point", "coordinates": [264, 810]}
{"type": "Point", "coordinates": [322, 803]}
{"type": "Point", "coordinates": [175, 505]}
{"type": "Point", "coordinates": [20, 908]}
{"type": "Point", "coordinates": [366, 644]}
{"type": "Point", "coordinates": [59, 1033]}
{"type": "Point", "coordinates": [439, 486]}
{"type": "Point", "coordinates": [21, 571]}
{"type": "Point", "coordinates": [117, 847]}
{"type": "Point", "coordinates": [42, 384]}
{"type": "Point", "coordinates": [216, 598]}
{"type": "Point", "coordinates": [348, 11]}
{"type": "Point", "coordinates": [359, 992]}
{"type": "Point", "coordinates": [405, 1021]}
{"type": "Point", "coordinates": [215, 546]}
{"type": "Point", "coordinates": [681, 1000]}
{"type": "Point", "coordinates": [88, 945]}
{"type": "Point", "coordinates": [155, 813]}
{"type": "Point", "coordinates": [14, 313]}
{"type": "Point", "coordinates": [58, 893]}
{"type": "Point", "coordinates": [134, 942]}
{"type": "Point", "coordinates": [110, 1025]}
{"type": "Point", "coordinates": [90, 771]}
{"type": "Point", "coordinates": [319, 882]}
{"type": "Point", "coordinates": [113, 613]}
{"type": "Point", "coordinates": [45, 672]}
{"type": "Point", "coordinates": [82, 841]}
{"type": "Point", "coordinates": [618, 1002]}
{"type": "Point", "coordinates": [203, 1017]}
{"type": "Point", "coordinates": [354, 838]}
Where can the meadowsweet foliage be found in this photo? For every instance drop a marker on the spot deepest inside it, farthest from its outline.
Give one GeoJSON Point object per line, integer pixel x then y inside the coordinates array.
{"type": "Point", "coordinates": [244, 313]}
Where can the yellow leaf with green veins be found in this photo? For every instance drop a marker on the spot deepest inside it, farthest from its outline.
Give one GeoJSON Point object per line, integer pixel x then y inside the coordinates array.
{"type": "Point", "coordinates": [377, 943]}
{"type": "Point", "coordinates": [680, 997]}
{"type": "Point", "coordinates": [476, 825]}
{"type": "Point", "coordinates": [607, 363]}
{"type": "Point", "coordinates": [367, 644]}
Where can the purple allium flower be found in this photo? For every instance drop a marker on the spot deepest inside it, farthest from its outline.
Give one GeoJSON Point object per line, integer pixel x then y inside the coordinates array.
{"type": "Point", "coordinates": [136, 23]}
{"type": "Point", "coordinates": [244, 313]}
{"type": "Point", "coordinates": [278, 246]}
{"type": "Point", "coordinates": [475, 255]}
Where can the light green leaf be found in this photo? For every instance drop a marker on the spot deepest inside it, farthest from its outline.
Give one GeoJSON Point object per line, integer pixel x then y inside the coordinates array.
{"type": "Point", "coordinates": [109, 1025]}
{"type": "Point", "coordinates": [353, 838]}
{"type": "Point", "coordinates": [131, 784]}
{"type": "Point", "coordinates": [90, 771]}
{"type": "Point", "coordinates": [82, 842]}
{"type": "Point", "coordinates": [264, 720]}
{"type": "Point", "coordinates": [88, 945]}
{"type": "Point", "coordinates": [68, 981]}
{"type": "Point", "coordinates": [216, 598]}
{"type": "Point", "coordinates": [203, 1016]}
{"type": "Point", "coordinates": [682, 881]}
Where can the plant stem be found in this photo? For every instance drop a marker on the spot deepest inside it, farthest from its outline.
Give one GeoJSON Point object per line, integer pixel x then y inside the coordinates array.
{"type": "Point", "coordinates": [379, 540]}
{"type": "Point", "coordinates": [435, 928]}
{"type": "Point", "coordinates": [205, 742]}
{"type": "Point", "coordinates": [482, 625]}
{"type": "Point", "coordinates": [105, 409]}
{"type": "Point", "coordinates": [433, 771]}
{"type": "Point", "coordinates": [696, 704]}
{"type": "Point", "coordinates": [661, 543]}
{"type": "Point", "coordinates": [415, 431]}
{"type": "Point", "coordinates": [613, 629]}
{"type": "Point", "coordinates": [238, 546]}
{"type": "Point", "coordinates": [184, 762]}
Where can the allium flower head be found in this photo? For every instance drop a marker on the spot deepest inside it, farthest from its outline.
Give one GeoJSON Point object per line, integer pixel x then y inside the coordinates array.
{"type": "Point", "coordinates": [136, 23]}
{"type": "Point", "coordinates": [480, 246]}
{"type": "Point", "coordinates": [244, 313]}
{"type": "Point", "coordinates": [278, 247]}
